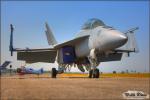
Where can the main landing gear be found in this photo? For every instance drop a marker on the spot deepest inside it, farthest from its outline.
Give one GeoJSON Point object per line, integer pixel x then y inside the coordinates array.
{"type": "Point", "coordinates": [94, 73]}
{"type": "Point", "coordinates": [53, 73]}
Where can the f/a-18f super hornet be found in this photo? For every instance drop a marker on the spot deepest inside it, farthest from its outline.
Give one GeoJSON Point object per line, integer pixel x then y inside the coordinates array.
{"type": "Point", "coordinates": [95, 43]}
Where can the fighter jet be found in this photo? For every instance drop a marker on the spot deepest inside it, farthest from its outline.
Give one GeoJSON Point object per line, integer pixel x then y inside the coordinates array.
{"type": "Point", "coordinates": [24, 70]}
{"type": "Point", "coordinates": [4, 65]}
{"type": "Point", "coordinates": [95, 43]}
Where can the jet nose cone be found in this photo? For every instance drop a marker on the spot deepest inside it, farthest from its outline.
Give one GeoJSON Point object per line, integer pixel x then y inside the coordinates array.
{"type": "Point", "coordinates": [121, 38]}
{"type": "Point", "coordinates": [116, 38]}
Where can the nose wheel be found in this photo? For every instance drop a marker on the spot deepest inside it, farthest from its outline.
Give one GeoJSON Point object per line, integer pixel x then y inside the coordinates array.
{"type": "Point", "coordinates": [94, 73]}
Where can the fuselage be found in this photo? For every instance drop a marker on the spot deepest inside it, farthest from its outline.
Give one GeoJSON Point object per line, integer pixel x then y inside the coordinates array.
{"type": "Point", "coordinates": [101, 38]}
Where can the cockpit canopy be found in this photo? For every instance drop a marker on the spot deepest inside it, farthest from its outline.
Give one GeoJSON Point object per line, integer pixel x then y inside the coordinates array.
{"type": "Point", "coordinates": [93, 23]}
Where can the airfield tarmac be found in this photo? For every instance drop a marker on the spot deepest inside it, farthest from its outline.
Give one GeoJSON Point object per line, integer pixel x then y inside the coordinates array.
{"type": "Point", "coordinates": [31, 87]}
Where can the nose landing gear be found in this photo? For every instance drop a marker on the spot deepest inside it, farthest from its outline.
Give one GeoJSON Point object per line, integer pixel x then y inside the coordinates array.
{"type": "Point", "coordinates": [94, 72]}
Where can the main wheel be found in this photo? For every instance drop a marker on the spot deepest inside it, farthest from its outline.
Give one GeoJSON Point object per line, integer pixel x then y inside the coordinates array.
{"type": "Point", "coordinates": [54, 73]}
{"type": "Point", "coordinates": [90, 73]}
{"type": "Point", "coordinates": [96, 73]}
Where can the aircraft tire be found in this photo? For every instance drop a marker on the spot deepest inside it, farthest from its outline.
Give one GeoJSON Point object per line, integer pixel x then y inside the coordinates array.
{"type": "Point", "coordinates": [96, 73]}
{"type": "Point", "coordinates": [54, 73]}
{"type": "Point", "coordinates": [90, 73]}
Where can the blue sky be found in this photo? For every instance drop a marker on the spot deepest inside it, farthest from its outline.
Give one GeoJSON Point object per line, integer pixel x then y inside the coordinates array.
{"type": "Point", "coordinates": [66, 18]}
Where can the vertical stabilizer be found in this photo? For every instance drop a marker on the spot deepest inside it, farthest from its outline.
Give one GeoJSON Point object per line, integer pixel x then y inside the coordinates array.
{"type": "Point", "coordinates": [50, 37]}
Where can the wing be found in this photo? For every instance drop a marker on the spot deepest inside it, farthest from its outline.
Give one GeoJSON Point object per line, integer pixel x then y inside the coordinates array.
{"type": "Point", "coordinates": [44, 55]}
{"type": "Point", "coordinates": [34, 55]}
{"type": "Point", "coordinates": [37, 55]}
{"type": "Point", "coordinates": [71, 42]}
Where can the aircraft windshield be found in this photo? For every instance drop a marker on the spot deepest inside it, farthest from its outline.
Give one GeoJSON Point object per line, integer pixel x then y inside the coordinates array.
{"type": "Point", "coordinates": [93, 23]}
